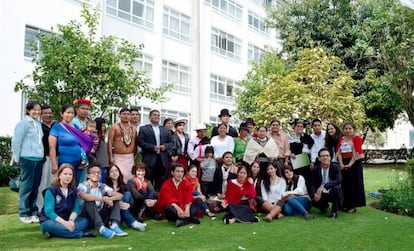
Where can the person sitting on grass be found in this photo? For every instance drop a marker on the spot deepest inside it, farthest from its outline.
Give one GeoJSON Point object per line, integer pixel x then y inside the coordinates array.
{"type": "Point", "coordinates": [101, 203]}
{"type": "Point", "coordinates": [143, 193]}
{"type": "Point", "coordinates": [191, 176]}
{"type": "Point", "coordinates": [115, 179]}
{"type": "Point", "coordinates": [59, 216]}
{"type": "Point", "coordinates": [272, 187]}
{"type": "Point", "coordinates": [175, 199]}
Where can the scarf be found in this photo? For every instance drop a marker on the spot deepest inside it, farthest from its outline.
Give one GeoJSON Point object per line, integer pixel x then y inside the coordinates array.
{"type": "Point", "coordinates": [140, 185]}
{"type": "Point", "coordinates": [85, 140]}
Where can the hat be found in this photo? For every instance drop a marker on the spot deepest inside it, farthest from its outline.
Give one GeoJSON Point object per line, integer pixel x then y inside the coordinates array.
{"type": "Point", "coordinates": [178, 121]}
{"type": "Point", "coordinates": [224, 112]}
{"type": "Point", "coordinates": [79, 102]}
{"type": "Point", "coordinates": [243, 126]}
{"type": "Point", "coordinates": [250, 121]}
{"type": "Point", "coordinates": [200, 127]}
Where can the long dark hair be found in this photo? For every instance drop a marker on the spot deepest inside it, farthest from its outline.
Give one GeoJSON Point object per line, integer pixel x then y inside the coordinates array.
{"type": "Point", "coordinates": [331, 142]}
{"type": "Point", "coordinates": [99, 121]}
{"type": "Point", "coordinates": [291, 184]}
{"type": "Point", "coordinates": [121, 185]}
{"type": "Point", "coordinates": [266, 178]}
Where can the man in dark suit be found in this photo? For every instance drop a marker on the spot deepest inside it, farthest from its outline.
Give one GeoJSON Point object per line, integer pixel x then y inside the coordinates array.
{"type": "Point", "coordinates": [326, 184]}
{"type": "Point", "coordinates": [225, 118]}
{"type": "Point", "coordinates": [154, 141]}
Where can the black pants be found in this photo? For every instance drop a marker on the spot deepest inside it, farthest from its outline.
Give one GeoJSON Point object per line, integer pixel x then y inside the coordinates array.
{"type": "Point", "coordinates": [157, 174]}
{"type": "Point", "coordinates": [171, 213]}
{"type": "Point", "coordinates": [335, 196]}
{"type": "Point", "coordinates": [103, 216]}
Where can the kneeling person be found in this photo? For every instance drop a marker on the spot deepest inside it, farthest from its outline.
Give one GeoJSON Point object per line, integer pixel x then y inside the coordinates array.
{"type": "Point", "coordinates": [101, 203]}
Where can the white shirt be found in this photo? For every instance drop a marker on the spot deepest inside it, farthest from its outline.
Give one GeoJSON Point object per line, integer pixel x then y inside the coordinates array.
{"type": "Point", "coordinates": [222, 145]}
{"type": "Point", "coordinates": [275, 192]}
{"type": "Point", "coordinates": [318, 145]}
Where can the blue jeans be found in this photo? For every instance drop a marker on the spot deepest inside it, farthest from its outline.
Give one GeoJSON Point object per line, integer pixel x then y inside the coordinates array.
{"type": "Point", "coordinates": [30, 176]}
{"type": "Point", "coordinates": [296, 205]}
{"type": "Point", "coordinates": [58, 230]}
{"type": "Point", "coordinates": [126, 215]}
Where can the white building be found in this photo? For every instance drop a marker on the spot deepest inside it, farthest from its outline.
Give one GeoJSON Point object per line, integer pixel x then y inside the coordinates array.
{"type": "Point", "coordinates": [202, 47]}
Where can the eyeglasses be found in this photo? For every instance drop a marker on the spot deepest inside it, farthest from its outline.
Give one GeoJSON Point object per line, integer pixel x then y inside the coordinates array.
{"type": "Point", "coordinates": [95, 173]}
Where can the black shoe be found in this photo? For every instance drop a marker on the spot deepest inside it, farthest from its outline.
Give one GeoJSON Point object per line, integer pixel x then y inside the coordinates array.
{"type": "Point", "coordinates": [180, 223]}
{"type": "Point", "coordinates": [195, 220]}
{"type": "Point", "coordinates": [308, 216]}
{"type": "Point", "coordinates": [88, 234]}
{"type": "Point", "coordinates": [46, 234]}
{"type": "Point", "coordinates": [157, 216]}
{"type": "Point", "coordinates": [333, 216]}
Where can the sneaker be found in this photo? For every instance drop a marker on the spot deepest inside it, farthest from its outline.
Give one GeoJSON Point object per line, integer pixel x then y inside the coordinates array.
{"type": "Point", "coordinates": [118, 231]}
{"type": "Point", "coordinates": [26, 219]}
{"type": "Point", "coordinates": [180, 223]}
{"type": "Point", "coordinates": [308, 216]}
{"type": "Point", "coordinates": [268, 218]}
{"type": "Point", "coordinates": [107, 233]}
{"type": "Point", "coordinates": [34, 219]}
{"type": "Point", "coordinates": [195, 220]}
{"type": "Point", "coordinates": [333, 216]}
{"type": "Point", "coordinates": [46, 234]}
{"type": "Point", "coordinates": [138, 226]}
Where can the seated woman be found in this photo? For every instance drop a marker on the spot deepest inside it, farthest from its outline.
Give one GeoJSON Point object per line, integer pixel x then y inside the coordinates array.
{"type": "Point", "coordinates": [227, 171]}
{"type": "Point", "coordinates": [239, 201]}
{"type": "Point", "coordinates": [115, 179]}
{"type": "Point", "coordinates": [191, 176]}
{"type": "Point", "coordinates": [59, 216]}
{"type": "Point", "coordinates": [272, 188]}
{"type": "Point", "coordinates": [175, 199]}
{"type": "Point", "coordinates": [257, 181]}
{"type": "Point", "coordinates": [296, 196]}
{"type": "Point", "coordinates": [143, 194]}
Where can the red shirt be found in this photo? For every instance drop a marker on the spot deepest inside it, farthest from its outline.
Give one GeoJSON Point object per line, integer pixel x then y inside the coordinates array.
{"type": "Point", "coordinates": [235, 193]}
{"type": "Point", "coordinates": [170, 194]}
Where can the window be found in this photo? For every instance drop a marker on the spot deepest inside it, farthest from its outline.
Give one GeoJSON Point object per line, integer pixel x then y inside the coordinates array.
{"type": "Point", "coordinates": [227, 7]}
{"type": "Point", "coordinates": [177, 75]}
{"type": "Point", "coordinates": [139, 12]}
{"type": "Point", "coordinates": [176, 24]}
{"type": "Point", "coordinates": [257, 23]}
{"type": "Point", "coordinates": [254, 53]}
{"type": "Point", "coordinates": [144, 63]}
{"type": "Point", "coordinates": [174, 115]}
{"type": "Point", "coordinates": [225, 44]}
{"type": "Point", "coordinates": [32, 36]}
{"type": "Point", "coordinates": [222, 89]}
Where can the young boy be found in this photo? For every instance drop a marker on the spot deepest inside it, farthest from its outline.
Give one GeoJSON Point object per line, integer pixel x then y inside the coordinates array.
{"type": "Point", "coordinates": [91, 131]}
{"type": "Point", "coordinates": [101, 203]}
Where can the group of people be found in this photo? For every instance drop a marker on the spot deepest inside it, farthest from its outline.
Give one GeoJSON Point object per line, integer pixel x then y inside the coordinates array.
{"type": "Point", "coordinates": [77, 177]}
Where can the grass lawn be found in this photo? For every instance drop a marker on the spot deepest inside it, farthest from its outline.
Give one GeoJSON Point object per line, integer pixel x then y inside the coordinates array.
{"type": "Point", "coordinates": [367, 229]}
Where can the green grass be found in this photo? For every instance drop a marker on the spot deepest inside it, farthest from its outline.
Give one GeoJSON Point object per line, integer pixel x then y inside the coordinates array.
{"type": "Point", "coordinates": [368, 229]}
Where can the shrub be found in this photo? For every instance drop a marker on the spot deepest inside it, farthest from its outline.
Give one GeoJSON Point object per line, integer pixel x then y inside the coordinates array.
{"type": "Point", "coordinates": [6, 171]}
{"type": "Point", "coordinates": [400, 198]}
{"type": "Point", "coordinates": [410, 167]}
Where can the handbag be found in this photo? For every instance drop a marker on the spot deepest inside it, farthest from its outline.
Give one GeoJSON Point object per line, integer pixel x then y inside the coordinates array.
{"type": "Point", "coordinates": [14, 184]}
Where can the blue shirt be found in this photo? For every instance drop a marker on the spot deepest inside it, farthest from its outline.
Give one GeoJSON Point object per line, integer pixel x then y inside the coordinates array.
{"type": "Point", "coordinates": [68, 147]}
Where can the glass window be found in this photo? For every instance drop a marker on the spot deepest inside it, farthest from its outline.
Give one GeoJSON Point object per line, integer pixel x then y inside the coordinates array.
{"type": "Point", "coordinates": [227, 7]}
{"type": "Point", "coordinates": [222, 89]}
{"type": "Point", "coordinates": [257, 23]}
{"type": "Point", "coordinates": [225, 44]}
{"type": "Point", "coordinates": [32, 37]}
{"type": "Point", "coordinates": [176, 24]}
{"type": "Point", "coordinates": [176, 74]}
{"type": "Point", "coordinates": [140, 12]}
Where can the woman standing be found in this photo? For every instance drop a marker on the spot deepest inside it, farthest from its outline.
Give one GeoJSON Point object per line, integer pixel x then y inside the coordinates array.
{"type": "Point", "coordinates": [273, 186]}
{"type": "Point", "coordinates": [28, 152]}
{"type": "Point", "coordinates": [350, 155]}
{"type": "Point", "coordinates": [179, 144]}
{"type": "Point", "coordinates": [59, 217]}
{"type": "Point", "coordinates": [333, 136]}
{"type": "Point", "coordinates": [240, 143]}
{"type": "Point", "coordinates": [222, 143]}
{"type": "Point", "coordinates": [102, 152]}
{"type": "Point", "coordinates": [296, 196]}
{"type": "Point", "coordinates": [68, 144]}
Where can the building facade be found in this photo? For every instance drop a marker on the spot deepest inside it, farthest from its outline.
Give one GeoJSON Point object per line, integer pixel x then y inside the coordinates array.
{"type": "Point", "coordinates": [203, 48]}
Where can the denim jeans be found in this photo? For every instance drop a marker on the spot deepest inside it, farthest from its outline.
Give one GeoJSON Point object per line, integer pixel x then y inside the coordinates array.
{"type": "Point", "coordinates": [296, 205]}
{"type": "Point", "coordinates": [126, 215]}
{"type": "Point", "coordinates": [30, 176]}
{"type": "Point", "coordinates": [58, 230]}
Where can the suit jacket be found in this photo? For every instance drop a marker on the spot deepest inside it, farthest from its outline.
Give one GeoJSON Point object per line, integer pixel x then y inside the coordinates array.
{"type": "Point", "coordinates": [147, 141]}
{"type": "Point", "coordinates": [176, 145]}
{"type": "Point", "coordinates": [232, 132]}
{"type": "Point", "coordinates": [335, 177]}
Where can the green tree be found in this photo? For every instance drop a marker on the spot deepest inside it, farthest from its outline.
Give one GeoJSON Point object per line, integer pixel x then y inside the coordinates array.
{"type": "Point", "coordinates": [76, 63]}
{"type": "Point", "coordinates": [316, 88]}
{"type": "Point", "coordinates": [337, 25]}
{"type": "Point", "coordinates": [256, 81]}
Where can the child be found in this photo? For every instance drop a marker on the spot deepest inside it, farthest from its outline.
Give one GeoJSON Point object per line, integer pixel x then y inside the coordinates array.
{"type": "Point", "coordinates": [191, 176]}
{"type": "Point", "coordinates": [101, 203]}
{"type": "Point", "coordinates": [91, 131]}
{"type": "Point", "coordinates": [208, 168]}
{"type": "Point", "coordinates": [143, 193]}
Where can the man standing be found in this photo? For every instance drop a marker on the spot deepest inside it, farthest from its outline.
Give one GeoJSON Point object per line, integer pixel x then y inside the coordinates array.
{"type": "Point", "coordinates": [225, 119]}
{"type": "Point", "coordinates": [122, 144]}
{"type": "Point", "coordinates": [318, 137]}
{"type": "Point", "coordinates": [326, 184]}
{"type": "Point", "coordinates": [136, 122]}
{"type": "Point", "coordinates": [154, 141]}
{"type": "Point", "coordinates": [82, 113]}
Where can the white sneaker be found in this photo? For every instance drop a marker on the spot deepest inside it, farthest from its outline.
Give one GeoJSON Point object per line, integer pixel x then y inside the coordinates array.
{"type": "Point", "coordinates": [26, 220]}
{"type": "Point", "coordinates": [34, 219]}
{"type": "Point", "coordinates": [138, 226]}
